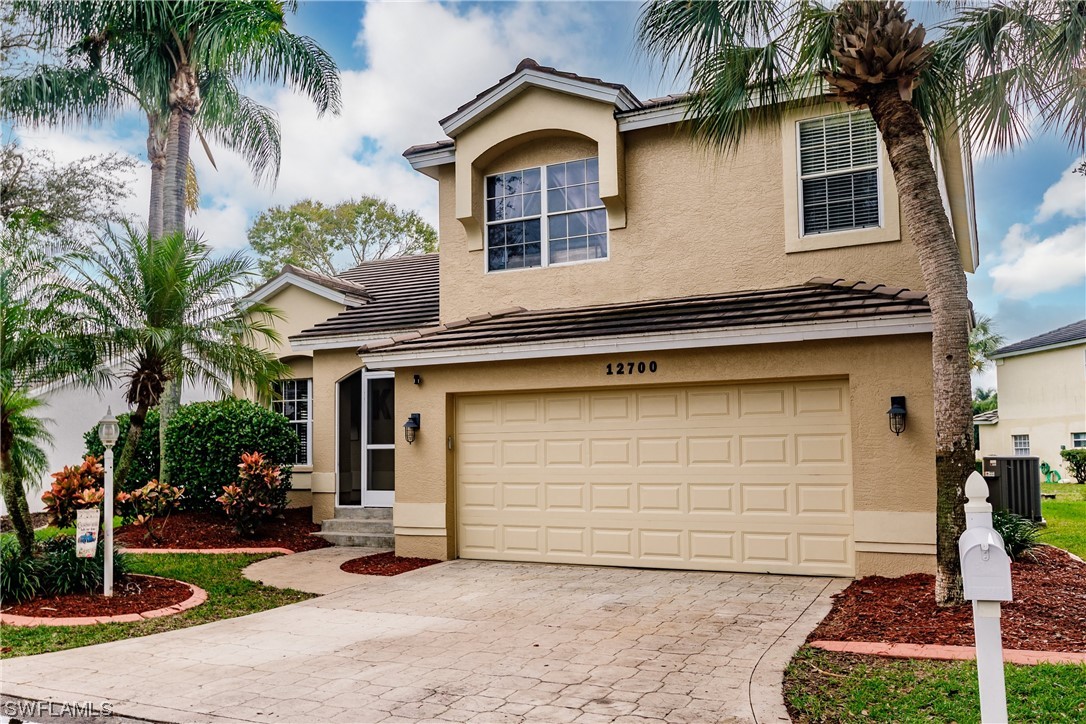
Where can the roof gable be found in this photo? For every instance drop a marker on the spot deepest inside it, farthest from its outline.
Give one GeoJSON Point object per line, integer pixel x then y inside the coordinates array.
{"type": "Point", "coordinates": [530, 74]}
{"type": "Point", "coordinates": [341, 291]}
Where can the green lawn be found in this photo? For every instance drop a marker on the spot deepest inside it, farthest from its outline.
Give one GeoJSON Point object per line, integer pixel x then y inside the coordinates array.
{"type": "Point", "coordinates": [52, 531]}
{"type": "Point", "coordinates": [229, 594]}
{"type": "Point", "coordinates": [821, 686]}
{"type": "Point", "coordinates": [1066, 517]}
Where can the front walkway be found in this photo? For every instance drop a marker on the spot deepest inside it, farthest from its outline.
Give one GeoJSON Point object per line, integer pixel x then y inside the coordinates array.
{"type": "Point", "coordinates": [466, 641]}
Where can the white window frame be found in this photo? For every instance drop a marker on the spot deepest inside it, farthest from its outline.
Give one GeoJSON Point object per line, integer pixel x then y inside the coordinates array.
{"type": "Point", "coordinates": [308, 418]}
{"type": "Point", "coordinates": [1078, 440]}
{"type": "Point", "coordinates": [1017, 448]}
{"type": "Point", "coordinates": [800, 178]}
{"type": "Point", "coordinates": [544, 228]}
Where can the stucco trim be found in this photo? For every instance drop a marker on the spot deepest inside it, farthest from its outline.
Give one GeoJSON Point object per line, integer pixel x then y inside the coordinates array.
{"type": "Point", "coordinates": [767, 334]}
{"type": "Point", "coordinates": [276, 285]}
{"type": "Point", "coordinates": [322, 482]}
{"type": "Point", "coordinates": [475, 112]}
{"type": "Point", "coordinates": [920, 548]}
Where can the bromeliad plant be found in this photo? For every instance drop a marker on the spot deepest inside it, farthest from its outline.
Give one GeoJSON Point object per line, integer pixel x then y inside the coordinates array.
{"type": "Point", "coordinates": [154, 501]}
{"type": "Point", "coordinates": [259, 494]}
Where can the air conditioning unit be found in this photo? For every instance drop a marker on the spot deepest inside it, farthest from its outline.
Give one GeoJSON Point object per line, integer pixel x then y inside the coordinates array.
{"type": "Point", "coordinates": [1014, 484]}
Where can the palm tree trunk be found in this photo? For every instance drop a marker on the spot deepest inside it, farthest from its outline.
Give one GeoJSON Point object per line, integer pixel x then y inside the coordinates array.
{"type": "Point", "coordinates": [168, 404]}
{"type": "Point", "coordinates": [15, 496]}
{"type": "Point", "coordinates": [941, 266]}
{"type": "Point", "coordinates": [156, 154]}
{"type": "Point", "coordinates": [136, 422]}
{"type": "Point", "coordinates": [184, 102]}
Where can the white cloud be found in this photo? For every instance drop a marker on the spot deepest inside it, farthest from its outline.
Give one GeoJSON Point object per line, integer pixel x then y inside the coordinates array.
{"type": "Point", "coordinates": [1066, 197]}
{"type": "Point", "coordinates": [1033, 266]}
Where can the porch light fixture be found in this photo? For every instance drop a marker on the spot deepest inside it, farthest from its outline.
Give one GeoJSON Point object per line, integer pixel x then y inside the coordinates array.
{"type": "Point", "coordinates": [417, 379]}
{"type": "Point", "coordinates": [897, 414]}
{"type": "Point", "coordinates": [411, 427]}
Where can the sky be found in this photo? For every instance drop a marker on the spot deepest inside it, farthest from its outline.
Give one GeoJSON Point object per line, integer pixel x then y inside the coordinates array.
{"type": "Point", "coordinates": [404, 65]}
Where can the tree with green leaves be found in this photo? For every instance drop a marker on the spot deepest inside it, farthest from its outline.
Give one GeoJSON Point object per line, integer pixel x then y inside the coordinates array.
{"type": "Point", "coordinates": [170, 310]}
{"type": "Point", "coordinates": [991, 66]}
{"type": "Point", "coordinates": [985, 400]}
{"type": "Point", "coordinates": [983, 341]}
{"type": "Point", "coordinates": [40, 343]}
{"type": "Point", "coordinates": [330, 239]}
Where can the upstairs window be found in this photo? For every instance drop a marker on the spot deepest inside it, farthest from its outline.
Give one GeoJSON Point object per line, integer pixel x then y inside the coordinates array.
{"type": "Point", "coordinates": [1078, 439]}
{"type": "Point", "coordinates": [839, 173]}
{"type": "Point", "coordinates": [292, 401]}
{"type": "Point", "coordinates": [531, 226]}
{"type": "Point", "coordinates": [1020, 444]}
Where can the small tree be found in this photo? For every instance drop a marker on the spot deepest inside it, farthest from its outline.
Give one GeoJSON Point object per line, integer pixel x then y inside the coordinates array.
{"type": "Point", "coordinates": [1076, 463]}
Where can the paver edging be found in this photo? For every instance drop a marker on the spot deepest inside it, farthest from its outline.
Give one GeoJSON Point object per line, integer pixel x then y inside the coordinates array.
{"type": "Point", "coordinates": [271, 549]}
{"type": "Point", "coordinates": [947, 653]}
{"type": "Point", "coordinates": [197, 597]}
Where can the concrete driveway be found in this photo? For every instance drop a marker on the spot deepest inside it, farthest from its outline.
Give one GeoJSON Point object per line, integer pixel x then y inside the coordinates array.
{"type": "Point", "coordinates": [466, 641]}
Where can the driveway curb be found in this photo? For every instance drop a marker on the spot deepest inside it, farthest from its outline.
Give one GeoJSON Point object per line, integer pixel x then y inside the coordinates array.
{"type": "Point", "coordinates": [948, 653]}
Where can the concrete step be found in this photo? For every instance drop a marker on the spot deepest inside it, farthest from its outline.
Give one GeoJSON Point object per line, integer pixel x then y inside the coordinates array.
{"type": "Point", "coordinates": [357, 525]}
{"type": "Point", "coordinates": [356, 540]}
{"type": "Point", "coordinates": [364, 513]}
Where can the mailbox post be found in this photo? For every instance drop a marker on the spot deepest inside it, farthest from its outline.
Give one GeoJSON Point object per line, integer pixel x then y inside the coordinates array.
{"type": "Point", "coordinates": [986, 575]}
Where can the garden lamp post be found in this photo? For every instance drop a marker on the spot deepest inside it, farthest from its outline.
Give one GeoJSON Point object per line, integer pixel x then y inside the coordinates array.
{"type": "Point", "coordinates": [109, 432]}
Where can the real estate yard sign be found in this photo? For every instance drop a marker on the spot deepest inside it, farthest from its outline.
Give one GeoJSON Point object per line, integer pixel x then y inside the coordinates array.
{"type": "Point", "coordinates": [86, 532]}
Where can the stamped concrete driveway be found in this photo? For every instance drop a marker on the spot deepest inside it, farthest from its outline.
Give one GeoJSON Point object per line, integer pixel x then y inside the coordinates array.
{"type": "Point", "coordinates": [466, 641]}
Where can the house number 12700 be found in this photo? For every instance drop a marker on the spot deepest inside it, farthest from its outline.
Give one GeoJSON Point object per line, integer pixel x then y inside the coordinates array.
{"type": "Point", "coordinates": [631, 368]}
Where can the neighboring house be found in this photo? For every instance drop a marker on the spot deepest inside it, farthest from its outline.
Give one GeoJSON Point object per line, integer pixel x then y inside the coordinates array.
{"type": "Point", "coordinates": [1042, 398]}
{"type": "Point", "coordinates": [638, 352]}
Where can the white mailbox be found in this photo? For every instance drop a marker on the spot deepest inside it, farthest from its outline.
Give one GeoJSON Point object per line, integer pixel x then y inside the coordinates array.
{"type": "Point", "coordinates": [986, 567]}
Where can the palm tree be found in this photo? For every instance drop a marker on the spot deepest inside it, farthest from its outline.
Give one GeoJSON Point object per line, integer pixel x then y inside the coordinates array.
{"type": "Point", "coordinates": [751, 62]}
{"type": "Point", "coordinates": [169, 308]}
{"type": "Point", "coordinates": [103, 76]}
{"type": "Point", "coordinates": [39, 344]}
{"type": "Point", "coordinates": [983, 341]}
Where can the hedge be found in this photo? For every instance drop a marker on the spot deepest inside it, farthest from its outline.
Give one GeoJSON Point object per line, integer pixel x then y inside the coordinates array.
{"type": "Point", "coordinates": [205, 440]}
{"type": "Point", "coordinates": [145, 464]}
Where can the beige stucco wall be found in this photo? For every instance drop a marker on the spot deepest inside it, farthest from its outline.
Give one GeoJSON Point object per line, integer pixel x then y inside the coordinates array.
{"type": "Point", "coordinates": [1042, 395]}
{"type": "Point", "coordinates": [894, 477]}
{"type": "Point", "coordinates": [301, 309]}
{"type": "Point", "coordinates": [695, 221]}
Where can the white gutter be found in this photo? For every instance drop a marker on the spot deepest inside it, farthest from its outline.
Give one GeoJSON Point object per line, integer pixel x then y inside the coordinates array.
{"type": "Point", "coordinates": [1031, 350]}
{"type": "Point", "coordinates": [341, 341]}
{"type": "Point", "coordinates": [764, 334]}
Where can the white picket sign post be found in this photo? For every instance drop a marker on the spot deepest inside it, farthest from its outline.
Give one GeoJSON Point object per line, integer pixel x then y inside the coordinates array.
{"type": "Point", "coordinates": [986, 574]}
{"type": "Point", "coordinates": [108, 432]}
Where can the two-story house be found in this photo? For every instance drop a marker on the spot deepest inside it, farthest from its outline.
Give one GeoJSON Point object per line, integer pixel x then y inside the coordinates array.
{"type": "Point", "coordinates": [632, 350]}
{"type": "Point", "coordinates": [1042, 398]}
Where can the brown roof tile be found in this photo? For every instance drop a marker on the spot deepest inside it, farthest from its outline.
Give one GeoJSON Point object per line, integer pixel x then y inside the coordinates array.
{"type": "Point", "coordinates": [817, 300]}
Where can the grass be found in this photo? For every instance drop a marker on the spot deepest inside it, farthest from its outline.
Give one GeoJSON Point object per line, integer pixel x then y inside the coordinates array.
{"type": "Point", "coordinates": [821, 686]}
{"type": "Point", "coordinates": [50, 531]}
{"type": "Point", "coordinates": [229, 594]}
{"type": "Point", "coordinates": [1066, 517]}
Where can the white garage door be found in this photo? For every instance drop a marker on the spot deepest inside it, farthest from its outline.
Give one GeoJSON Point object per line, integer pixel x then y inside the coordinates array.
{"type": "Point", "coordinates": [722, 477]}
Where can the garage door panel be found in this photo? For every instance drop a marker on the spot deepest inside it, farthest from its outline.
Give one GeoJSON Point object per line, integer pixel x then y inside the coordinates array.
{"type": "Point", "coordinates": [719, 477]}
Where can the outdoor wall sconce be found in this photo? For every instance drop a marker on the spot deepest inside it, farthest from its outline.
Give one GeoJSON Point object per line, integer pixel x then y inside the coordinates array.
{"type": "Point", "coordinates": [897, 414]}
{"type": "Point", "coordinates": [417, 379]}
{"type": "Point", "coordinates": [411, 427]}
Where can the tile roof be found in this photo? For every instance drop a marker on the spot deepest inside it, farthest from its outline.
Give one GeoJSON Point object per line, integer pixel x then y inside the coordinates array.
{"type": "Point", "coordinates": [821, 299]}
{"type": "Point", "coordinates": [403, 294]}
{"type": "Point", "coordinates": [1071, 333]}
{"type": "Point", "coordinates": [435, 146]}
{"type": "Point", "coordinates": [986, 418]}
{"type": "Point", "coordinates": [348, 287]}
{"type": "Point", "coordinates": [530, 64]}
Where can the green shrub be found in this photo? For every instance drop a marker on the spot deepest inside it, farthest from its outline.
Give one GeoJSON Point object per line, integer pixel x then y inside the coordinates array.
{"type": "Point", "coordinates": [259, 494]}
{"type": "Point", "coordinates": [205, 440]}
{"type": "Point", "coordinates": [145, 463]}
{"type": "Point", "coordinates": [53, 570]}
{"type": "Point", "coordinates": [1019, 534]}
{"type": "Point", "coordinates": [20, 578]}
{"type": "Point", "coordinates": [65, 573]}
{"type": "Point", "coordinates": [74, 487]}
{"type": "Point", "coordinates": [1076, 463]}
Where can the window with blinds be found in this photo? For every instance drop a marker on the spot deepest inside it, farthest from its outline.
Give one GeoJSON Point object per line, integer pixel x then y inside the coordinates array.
{"type": "Point", "coordinates": [839, 173]}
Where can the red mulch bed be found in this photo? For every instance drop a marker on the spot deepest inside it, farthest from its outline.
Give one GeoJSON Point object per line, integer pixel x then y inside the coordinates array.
{"type": "Point", "coordinates": [385, 564]}
{"type": "Point", "coordinates": [131, 594]}
{"type": "Point", "coordinates": [207, 530]}
{"type": "Point", "coordinates": [1048, 613]}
